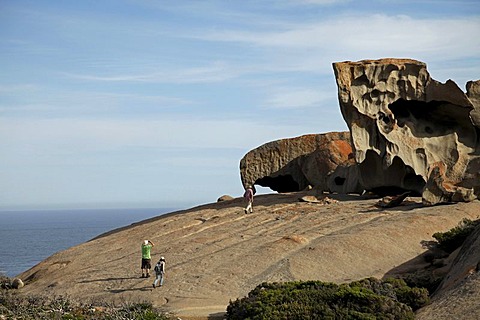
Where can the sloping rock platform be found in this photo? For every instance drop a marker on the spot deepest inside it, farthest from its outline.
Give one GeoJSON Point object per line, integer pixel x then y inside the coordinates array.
{"type": "Point", "coordinates": [216, 253]}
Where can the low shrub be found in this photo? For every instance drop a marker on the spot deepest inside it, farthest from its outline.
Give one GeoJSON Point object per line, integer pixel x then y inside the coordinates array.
{"type": "Point", "coordinates": [15, 306]}
{"type": "Point", "coordinates": [366, 299]}
{"type": "Point", "coordinates": [424, 278]}
{"type": "Point", "coordinates": [454, 238]}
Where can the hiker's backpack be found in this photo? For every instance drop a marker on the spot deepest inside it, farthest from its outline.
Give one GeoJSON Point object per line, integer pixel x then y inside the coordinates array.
{"type": "Point", "coordinates": [158, 267]}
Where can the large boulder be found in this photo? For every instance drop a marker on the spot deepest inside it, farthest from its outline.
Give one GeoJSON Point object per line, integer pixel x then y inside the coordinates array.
{"type": "Point", "coordinates": [410, 132]}
{"type": "Point", "coordinates": [322, 161]}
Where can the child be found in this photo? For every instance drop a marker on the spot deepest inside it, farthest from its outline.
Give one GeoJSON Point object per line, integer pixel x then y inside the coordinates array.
{"type": "Point", "coordinates": [159, 272]}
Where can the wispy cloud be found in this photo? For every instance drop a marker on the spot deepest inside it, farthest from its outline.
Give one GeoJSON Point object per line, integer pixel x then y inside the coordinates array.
{"type": "Point", "coordinates": [296, 98]}
{"type": "Point", "coordinates": [214, 72]}
{"type": "Point", "coordinates": [73, 135]}
{"type": "Point", "coordinates": [313, 2]}
{"type": "Point", "coordinates": [364, 36]}
{"type": "Point", "coordinates": [43, 102]}
{"type": "Point", "coordinates": [18, 88]}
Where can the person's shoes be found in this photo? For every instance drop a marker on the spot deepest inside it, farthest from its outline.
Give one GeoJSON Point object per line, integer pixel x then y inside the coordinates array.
{"type": "Point", "coordinates": [148, 275]}
{"type": "Point", "coordinates": [153, 286]}
{"type": "Point", "coordinates": [143, 276]}
{"type": "Point", "coordinates": [246, 211]}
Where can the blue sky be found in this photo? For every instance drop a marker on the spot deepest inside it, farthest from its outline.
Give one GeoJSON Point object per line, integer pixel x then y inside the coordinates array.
{"type": "Point", "coordinates": [144, 103]}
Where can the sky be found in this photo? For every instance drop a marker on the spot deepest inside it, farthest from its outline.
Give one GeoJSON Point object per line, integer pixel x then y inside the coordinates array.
{"type": "Point", "coordinates": [143, 103]}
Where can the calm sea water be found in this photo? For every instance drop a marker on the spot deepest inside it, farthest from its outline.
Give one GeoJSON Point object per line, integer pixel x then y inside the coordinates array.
{"type": "Point", "coordinates": [28, 237]}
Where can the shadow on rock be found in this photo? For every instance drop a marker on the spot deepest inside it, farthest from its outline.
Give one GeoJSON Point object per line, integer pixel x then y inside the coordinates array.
{"type": "Point", "coordinates": [404, 206]}
{"type": "Point", "coordinates": [427, 270]}
{"type": "Point", "coordinates": [216, 316]}
{"type": "Point", "coordinates": [149, 288]}
{"type": "Point", "coordinates": [108, 279]}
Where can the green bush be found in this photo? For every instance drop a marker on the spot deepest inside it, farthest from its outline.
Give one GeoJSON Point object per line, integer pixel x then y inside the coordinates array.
{"type": "Point", "coordinates": [454, 238]}
{"type": "Point", "coordinates": [366, 299]}
{"type": "Point", "coordinates": [423, 278]}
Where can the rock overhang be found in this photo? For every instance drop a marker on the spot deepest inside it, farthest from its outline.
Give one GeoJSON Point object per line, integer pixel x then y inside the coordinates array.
{"type": "Point", "coordinates": [408, 132]}
{"type": "Point", "coordinates": [404, 124]}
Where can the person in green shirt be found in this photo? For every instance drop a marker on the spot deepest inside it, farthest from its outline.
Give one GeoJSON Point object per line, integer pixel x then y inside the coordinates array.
{"type": "Point", "coordinates": [146, 258]}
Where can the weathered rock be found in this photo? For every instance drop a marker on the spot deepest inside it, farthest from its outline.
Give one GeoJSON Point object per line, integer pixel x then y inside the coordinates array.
{"type": "Point", "coordinates": [324, 161]}
{"type": "Point", "coordinates": [404, 125]}
{"type": "Point", "coordinates": [311, 199]}
{"type": "Point", "coordinates": [473, 94]}
{"type": "Point", "coordinates": [437, 190]}
{"type": "Point", "coordinates": [225, 197]}
{"type": "Point", "coordinates": [392, 201]}
{"type": "Point", "coordinates": [17, 283]}
{"type": "Point", "coordinates": [320, 200]}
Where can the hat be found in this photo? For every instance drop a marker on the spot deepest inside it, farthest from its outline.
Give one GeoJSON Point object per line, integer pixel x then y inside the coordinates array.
{"type": "Point", "coordinates": [162, 259]}
{"type": "Point", "coordinates": [145, 242]}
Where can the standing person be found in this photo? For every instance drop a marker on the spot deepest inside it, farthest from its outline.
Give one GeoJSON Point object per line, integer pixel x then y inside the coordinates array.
{"type": "Point", "coordinates": [146, 258]}
{"type": "Point", "coordinates": [248, 195]}
{"type": "Point", "coordinates": [159, 272]}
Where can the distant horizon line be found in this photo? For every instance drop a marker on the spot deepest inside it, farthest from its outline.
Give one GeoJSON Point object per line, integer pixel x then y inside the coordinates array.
{"type": "Point", "coordinates": [179, 205]}
{"type": "Point", "coordinates": [97, 206]}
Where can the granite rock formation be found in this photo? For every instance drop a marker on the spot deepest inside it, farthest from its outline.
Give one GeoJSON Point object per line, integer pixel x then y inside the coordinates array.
{"type": "Point", "coordinates": [410, 132]}
{"type": "Point", "coordinates": [322, 161]}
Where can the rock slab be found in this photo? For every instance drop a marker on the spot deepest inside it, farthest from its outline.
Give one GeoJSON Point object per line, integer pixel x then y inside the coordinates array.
{"type": "Point", "coordinates": [322, 161]}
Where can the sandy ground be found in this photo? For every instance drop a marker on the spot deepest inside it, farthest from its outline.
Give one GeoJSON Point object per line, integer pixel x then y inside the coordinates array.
{"type": "Point", "coordinates": [215, 253]}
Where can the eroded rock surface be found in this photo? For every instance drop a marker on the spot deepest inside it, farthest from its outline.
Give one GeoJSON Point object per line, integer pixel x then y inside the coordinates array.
{"type": "Point", "coordinates": [216, 254]}
{"type": "Point", "coordinates": [457, 295]}
{"type": "Point", "coordinates": [410, 132]}
{"type": "Point", "coordinates": [323, 161]}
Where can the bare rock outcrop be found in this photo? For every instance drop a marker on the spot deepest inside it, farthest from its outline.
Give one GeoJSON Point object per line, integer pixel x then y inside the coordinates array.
{"type": "Point", "coordinates": [457, 295]}
{"type": "Point", "coordinates": [216, 254]}
{"type": "Point", "coordinates": [225, 197]}
{"type": "Point", "coordinates": [15, 283]}
{"type": "Point", "coordinates": [410, 132]}
{"type": "Point", "coordinates": [323, 161]}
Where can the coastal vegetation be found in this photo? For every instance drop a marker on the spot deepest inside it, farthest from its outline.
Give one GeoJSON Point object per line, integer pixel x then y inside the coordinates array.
{"type": "Point", "coordinates": [445, 243]}
{"type": "Point", "coordinates": [452, 239]}
{"type": "Point", "coordinates": [365, 299]}
{"type": "Point", "coordinates": [16, 306]}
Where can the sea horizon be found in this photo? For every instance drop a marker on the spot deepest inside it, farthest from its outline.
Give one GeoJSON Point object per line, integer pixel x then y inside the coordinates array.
{"type": "Point", "coordinates": [29, 236]}
{"type": "Point", "coordinates": [95, 206]}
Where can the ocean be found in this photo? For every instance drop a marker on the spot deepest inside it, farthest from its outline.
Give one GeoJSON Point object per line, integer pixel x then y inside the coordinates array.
{"type": "Point", "coordinates": [28, 237]}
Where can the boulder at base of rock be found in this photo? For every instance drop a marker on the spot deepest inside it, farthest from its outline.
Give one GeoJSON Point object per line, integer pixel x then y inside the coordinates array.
{"type": "Point", "coordinates": [17, 283]}
{"type": "Point", "coordinates": [225, 197]}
